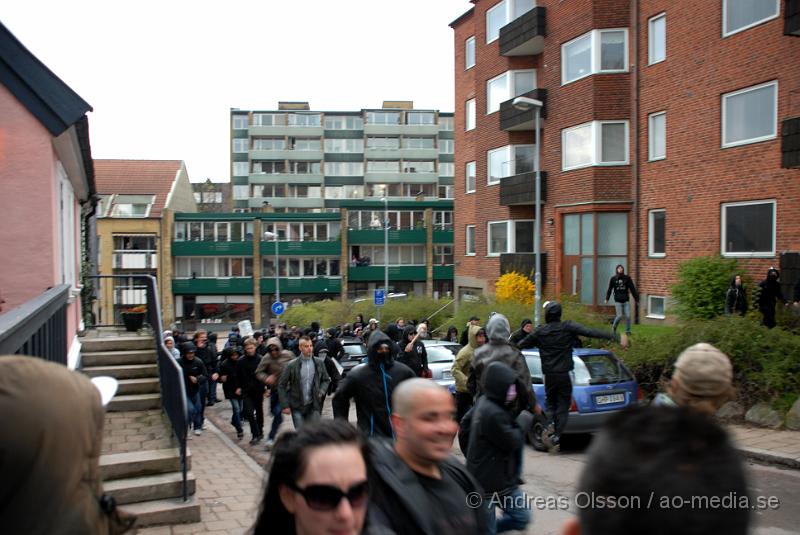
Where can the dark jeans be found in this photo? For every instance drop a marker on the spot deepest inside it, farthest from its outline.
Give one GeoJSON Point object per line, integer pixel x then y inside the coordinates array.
{"type": "Point", "coordinates": [195, 405]}
{"type": "Point", "coordinates": [558, 390]}
{"type": "Point", "coordinates": [305, 415]}
{"type": "Point", "coordinates": [769, 317]}
{"type": "Point", "coordinates": [463, 404]}
{"type": "Point", "coordinates": [277, 416]}
{"type": "Point", "coordinates": [211, 392]}
{"type": "Point", "coordinates": [253, 407]}
{"type": "Point", "coordinates": [236, 417]}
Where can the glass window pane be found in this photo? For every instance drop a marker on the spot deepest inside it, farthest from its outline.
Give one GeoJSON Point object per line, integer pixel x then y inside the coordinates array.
{"type": "Point", "coordinates": [613, 142]}
{"type": "Point", "coordinates": [236, 231]}
{"type": "Point", "coordinates": [499, 164]}
{"type": "Point", "coordinates": [196, 265]}
{"type": "Point", "coordinates": [658, 136]}
{"type": "Point", "coordinates": [223, 267]}
{"type": "Point", "coordinates": [606, 268]}
{"type": "Point", "coordinates": [248, 267]}
{"type": "Point", "coordinates": [523, 159]}
{"type": "Point", "coordinates": [308, 267]}
{"type": "Point", "coordinates": [470, 115]}
{"type": "Point", "coordinates": [222, 231]}
{"type": "Point", "coordinates": [587, 280]}
{"type": "Point", "coordinates": [208, 231]}
{"type": "Point", "coordinates": [523, 82]}
{"type": "Point", "coordinates": [394, 256]}
{"type": "Point", "coordinates": [294, 267]}
{"type": "Point", "coordinates": [578, 149]}
{"type": "Point", "coordinates": [209, 267]}
{"type": "Point", "coordinates": [571, 235]}
{"type": "Point", "coordinates": [334, 265]}
{"type": "Point", "coordinates": [523, 236]}
{"type": "Point", "coordinates": [378, 256]}
{"type": "Point", "coordinates": [521, 7]}
{"type": "Point", "coordinates": [656, 307]}
{"type": "Point", "coordinates": [612, 233]}
{"type": "Point", "coordinates": [749, 228]}
{"type": "Point", "coordinates": [741, 13]}
{"type": "Point", "coordinates": [658, 233]}
{"type": "Point", "coordinates": [578, 58]}
{"type": "Point", "coordinates": [322, 267]}
{"type": "Point", "coordinates": [495, 19]}
{"type": "Point", "coordinates": [496, 92]}
{"type": "Point", "coordinates": [236, 267]}
{"type": "Point", "coordinates": [498, 238]}
{"type": "Point", "coordinates": [282, 264]}
{"type": "Point", "coordinates": [587, 233]}
{"type": "Point", "coordinates": [749, 115]}
{"type": "Point", "coordinates": [268, 267]}
{"type": "Point", "coordinates": [657, 44]}
{"type": "Point", "coordinates": [612, 51]}
{"type": "Point", "coordinates": [469, 53]}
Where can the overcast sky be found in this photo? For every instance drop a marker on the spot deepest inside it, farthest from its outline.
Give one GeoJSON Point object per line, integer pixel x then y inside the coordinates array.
{"type": "Point", "coordinates": [163, 75]}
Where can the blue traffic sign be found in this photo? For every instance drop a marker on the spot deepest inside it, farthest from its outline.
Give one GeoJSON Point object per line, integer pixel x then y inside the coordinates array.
{"type": "Point", "coordinates": [380, 298]}
{"type": "Point", "coordinates": [277, 308]}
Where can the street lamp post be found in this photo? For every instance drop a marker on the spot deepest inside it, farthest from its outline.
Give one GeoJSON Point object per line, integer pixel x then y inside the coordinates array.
{"type": "Point", "coordinates": [526, 104]}
{"type": "Point", "coordinates": [274, 236]}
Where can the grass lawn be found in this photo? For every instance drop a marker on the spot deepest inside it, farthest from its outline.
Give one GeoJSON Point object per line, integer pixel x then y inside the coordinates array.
{"type": "Point", "coordinates": [646, 331]}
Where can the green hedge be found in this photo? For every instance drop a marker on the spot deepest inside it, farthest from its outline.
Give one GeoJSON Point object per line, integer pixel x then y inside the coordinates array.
{"type": "Point", "coordinates": [702, 285]}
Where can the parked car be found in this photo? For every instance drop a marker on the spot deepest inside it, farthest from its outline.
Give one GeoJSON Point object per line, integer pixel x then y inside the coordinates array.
{"type": "Point", "coordinates": [440, 360]}
{"type": "Point", "coordinates": [354, 352]}
{"type": "Point", "coordinates": [601, 387]}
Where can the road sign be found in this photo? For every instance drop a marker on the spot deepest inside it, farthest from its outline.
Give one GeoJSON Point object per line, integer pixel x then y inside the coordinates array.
{"type": "Point", "coordinates": [277, 308]}
{"type": "Point", "coordinates": [380, 298]}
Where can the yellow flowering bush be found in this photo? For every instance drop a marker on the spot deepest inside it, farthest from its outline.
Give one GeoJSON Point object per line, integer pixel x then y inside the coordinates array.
{"type": "Point", "coordinates": [516, 287]}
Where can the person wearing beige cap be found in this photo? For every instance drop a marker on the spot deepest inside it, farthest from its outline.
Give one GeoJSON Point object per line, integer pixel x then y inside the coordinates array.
{"type": "Point", "coordinates": [702, 380]}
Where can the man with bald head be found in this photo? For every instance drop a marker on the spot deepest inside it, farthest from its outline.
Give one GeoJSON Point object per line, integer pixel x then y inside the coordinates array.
{"type": "Point", "coordinates": [417, 486]}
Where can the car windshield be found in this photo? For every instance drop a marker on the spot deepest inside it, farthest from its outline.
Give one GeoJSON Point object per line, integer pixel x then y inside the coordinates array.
{"type": "Point", "coordinates": [443, 353]}
{"type": "Point", "coordinates": [355, 349]}
{"type": "Point", "coordinates": [589, 370]}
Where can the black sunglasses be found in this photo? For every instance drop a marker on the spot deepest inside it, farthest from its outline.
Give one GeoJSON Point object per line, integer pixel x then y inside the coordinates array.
{"type": "Point", "coordinates": [327, 497]}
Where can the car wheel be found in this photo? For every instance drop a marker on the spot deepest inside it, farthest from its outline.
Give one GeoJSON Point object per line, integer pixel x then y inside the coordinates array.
{"type": "Point", "coordinates": [535, 433]}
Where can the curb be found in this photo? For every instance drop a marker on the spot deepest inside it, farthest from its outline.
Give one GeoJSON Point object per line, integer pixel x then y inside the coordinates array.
{"type": "Point", "coordinates": [768, 457]}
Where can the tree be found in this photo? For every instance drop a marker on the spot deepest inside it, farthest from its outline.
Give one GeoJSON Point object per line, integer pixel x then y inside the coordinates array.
{"type": "Point", "coordinates": [702, 283]}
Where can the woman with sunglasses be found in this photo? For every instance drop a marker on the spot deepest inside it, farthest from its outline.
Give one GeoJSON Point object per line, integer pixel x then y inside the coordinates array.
{"type": "Point", "coordinates": [317, 482]}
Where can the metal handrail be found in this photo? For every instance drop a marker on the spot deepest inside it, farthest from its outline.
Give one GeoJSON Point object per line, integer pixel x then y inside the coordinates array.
{"type": "Point", "coordinates": [170, 375]}
{"type": "Point", "coordinates": [38, 327]}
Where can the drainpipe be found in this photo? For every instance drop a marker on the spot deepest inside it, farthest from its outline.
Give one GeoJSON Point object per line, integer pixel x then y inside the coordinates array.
{"type": "Point", "coordinates": [635, 84]}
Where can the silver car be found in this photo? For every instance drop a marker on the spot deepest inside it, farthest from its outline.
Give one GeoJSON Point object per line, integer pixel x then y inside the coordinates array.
{"type": "Point", "coordinates": [440, 360]}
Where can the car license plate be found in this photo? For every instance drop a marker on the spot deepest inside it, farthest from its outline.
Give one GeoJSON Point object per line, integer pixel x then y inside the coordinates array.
{"type": "Point", "coordinates": [609, 398]}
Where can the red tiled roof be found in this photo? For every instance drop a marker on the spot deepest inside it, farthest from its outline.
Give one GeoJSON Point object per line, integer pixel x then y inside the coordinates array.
{"type": "Point", "coordinates": [137, 177]}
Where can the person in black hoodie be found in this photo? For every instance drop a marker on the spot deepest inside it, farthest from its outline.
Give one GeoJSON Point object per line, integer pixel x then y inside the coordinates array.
{"type": "Point", "coordinates": [414, 354]}
{"type": "Point", "coordinates": [494, 451]}
{"type": "Point", "coordinates": [769, 294]}
{"type": "Point", "coordinates": [519, 335]}
{"type": "Point", "coordinates": [230, 385]}
{"type": "Point", "coordinates": [372, 385]}
{"type": "Point", "coordinates": [621, 284]}
{"type": "Point", "coordinates": [555, 340]}
{"type": "Point", "coordinates": [194, 377]}
{"type": "Point", "coordinates": [736, 297]}
{"type": "Point", "coordinates": [252, 390]}
{"type": "Point", "coordinates": [207, 352]}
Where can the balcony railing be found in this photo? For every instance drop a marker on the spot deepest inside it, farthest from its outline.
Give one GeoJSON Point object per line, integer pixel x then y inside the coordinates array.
{"type": "Point", "coordinates": [790, 143]}
{"type": "Point", "coordinates": [135, 260]}
{"type": "Point", "coordinates": [525, 35]}
{"type": "Point", "coordinates": [38, 327]}
{"type": "Point", "coordinates": [521, 189]}
{"type": "Point", "coordinates": [791, 18]}
{"type": "Point", "coordinates": [514, 120]}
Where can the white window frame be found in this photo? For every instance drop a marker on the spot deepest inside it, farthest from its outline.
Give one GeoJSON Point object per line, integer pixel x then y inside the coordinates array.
{"type": "Point", "coordinates": [474, 168]}
{"type": "Point", "coordinates": [767, 137]}
{"type": "Point", "coordinates": [239, 117]}
{"type": "Point", "coordinates": [511, 236]}
{"type": "Point", "coordinates": [510, 82]}
{"type": "Point", "coordinates": [650, 228]}
{"type": "Point", "coordinates": [596, 50]}
{"type": "Point", "coordinates": [238, 164]}
{"type": "Point", "coordinates": [651, 40]}
{"type": "Point", "coordinates": [467, 234]}
{"type": "Point", "coordinates": [723, 224]}
{"type": "Point", "coordinates": [650, 307]}
{"type": "Point", "coordinates": [469, 42]}
{"type": "Point", "coordinates": [597, 145]}
{"type": "Point", "coordinates": [726, 33]}
{"type": "Point", "coordinates": [651, 138]}
{"type": "Point", "coordinates": [512, 158]}
{"type": "Point", "coordinates": [239, 140]}
{"type": "Point", "coordinates": [470, 110]}
{"type": "Point", "coordinates": [510, 7]}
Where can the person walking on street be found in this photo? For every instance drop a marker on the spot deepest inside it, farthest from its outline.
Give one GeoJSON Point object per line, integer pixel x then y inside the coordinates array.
{"type": "Point", "coordinates": [494, 452]}
{"type": "Point", "coordinates": [736, 297]}
{"type": "Point", "coordinates": [415, 356]}
{"type": "Point", "coordinates": [372, 386]}
{"type": "Point", "coordinates": [268, 373]}
{"type": "Point", "coordinates": [416, 486]}
{"type": "Point", "coordinates": [169, 343]}
{"type": "Point", "coordinates": [462, 366]}
{"type": "Point", "coordinates": [252, 390]}
{"type": "Point", "coordinates": [464, 340]}
{"type": "Point", "coordinates": [769, 294]}
{"type": "Point", "coordinates": [194, 377]}
{"type": "Point", "coordinates": [208, 355]}
{"type": "Point", "coordinates": [303, 385]}
{"type": "Point", "coordinates": [519, 335]}
{"type": "Point", "coordinates": [230, 385]}
{"type": "Point", "coordinates": [555, 340]}
{"type": "Point", "coordinates": [622, 285]}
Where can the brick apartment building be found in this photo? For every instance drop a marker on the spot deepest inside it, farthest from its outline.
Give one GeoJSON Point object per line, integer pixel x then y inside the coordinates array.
{"type": "Point", "coordinates": [670, 131]}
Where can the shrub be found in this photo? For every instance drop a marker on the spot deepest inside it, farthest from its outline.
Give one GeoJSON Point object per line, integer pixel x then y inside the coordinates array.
{"type": "Point", "coordinates": [516, 287]}
{"type": "Point", "coordinates": [702, 283]}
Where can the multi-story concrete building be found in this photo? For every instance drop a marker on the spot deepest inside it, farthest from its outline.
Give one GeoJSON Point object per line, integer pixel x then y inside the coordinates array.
{"type": "Point", "coordinates": [661, 140]}
{"type": "Point", "coordinates": [212, 196]}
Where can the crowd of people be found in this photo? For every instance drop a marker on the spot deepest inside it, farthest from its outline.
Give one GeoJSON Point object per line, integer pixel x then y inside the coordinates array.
{"type": "Point", "coordinates": [394, 472]}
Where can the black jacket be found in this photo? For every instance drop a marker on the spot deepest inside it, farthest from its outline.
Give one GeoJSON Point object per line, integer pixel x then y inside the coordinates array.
{"type": "Point", "coordinates": [372, 385]}
{"type": "Point", "coordinates": [399, 503]}
{"type": "Point", "coordinates": [193, 368]}
{"type": "Point", "coordinates": [519, 335]}
{"type": "Point", "coordinates": [555, 340]}
{"type": "Point", "coordinates": [495, 438]}
{"type": "Point", "coordinates": [770, 291]}
{"type": "Point", "coordinates": [208, 355]}
{"type": "Point", "coordinates": [417, 358]}
{"type": "Point", "coordinates": [620, 285]}
{"type": "Point", "coordinates": [246, 374]}
{"type": "Point", "coordinates": [736, 299]}
{"type": "Point", "coordinates": [228, 369]}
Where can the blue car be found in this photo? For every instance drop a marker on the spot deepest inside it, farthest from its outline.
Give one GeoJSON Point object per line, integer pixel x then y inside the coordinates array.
{"type": "Point", "coordinates": [601, 386]}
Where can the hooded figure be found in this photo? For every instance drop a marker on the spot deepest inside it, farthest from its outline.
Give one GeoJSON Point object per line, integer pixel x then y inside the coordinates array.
{"type": "Point", "coordinates": [769, 294]}
{"type": "Point", "coordinates": [519, 335]}
{"type": "Point", "coordinates": [736, 297]}
{"type": "Point", "coordinates": [372, 385]}
{"type": "Point", "coordinates": [414, 354]}
{"type": "Point", "coordinates": [273, 364]}
{"type": "Point", "coordinates": [499, 350]}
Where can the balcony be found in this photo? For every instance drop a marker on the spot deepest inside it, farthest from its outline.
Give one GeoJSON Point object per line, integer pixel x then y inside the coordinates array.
{"type": "Point", "coordinates": [523, 263]}
{"type": "Point", "coordinates": [398, 129]}
{"type": "Point", "coordinates": [401, 178]}
{"type": "Point", "coordinates": [286, 154]}
{"type": "Point", "coordinates": [221, 286]}
{"type": "Point", "coordinates": [514, 120]}
{"type": "Point", "coordinates": [305, 248]}
{"type": "Point", "coordinates": [791, 18]}
{"type": "Point", "coordinates": [286, 178]}
{"type": "Point", "coordinates": [135, 260]}
{"type": "Point", "coordinates": [403, 237]}
{"type": "Point", "coordinates": [790, 143]}
{"type": "Point", "coordinates": [525, 35]}
{"type": "Point", "coordinates": [520, 190]}
{"type": "Point", "coordinates": [285, 130]}
{"type": "Point", "coordinates": [443, 272]}
{"type": "Point", "coordinates": [212, 248]}
{"type": "Point", "coordinates": [442, 236]}
{"type": "Point", "coordinates": [396, 273]}
{"type": "Point", "coordinates": [287, 202]}
{"type": "Point", "coordinates": [304, 285]}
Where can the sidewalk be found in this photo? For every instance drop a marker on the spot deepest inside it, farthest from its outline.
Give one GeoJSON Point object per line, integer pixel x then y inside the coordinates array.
{"type": "Point", "coordinates": [229, 487]}
{"type": "Point", "coordinates": [768, 445]}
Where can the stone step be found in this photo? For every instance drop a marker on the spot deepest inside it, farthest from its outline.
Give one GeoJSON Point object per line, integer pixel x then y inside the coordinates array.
{"type": "Point", "coordinates": [141, 463]}
{"type": "Point", "coordinates": [116, 358]}
{"type": "Point", "coordinates": [146, 488]}
{"type": "Point", "coordinates": [148, 385]}
{"type": "Point", "coordinates": [169, 511]}
{"type": "Point", "coordinates": [116, 343]}
{"type": "Point", "coordinates": [134, 371]}
{"type": "Point", "coordinates": [134, 402]}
